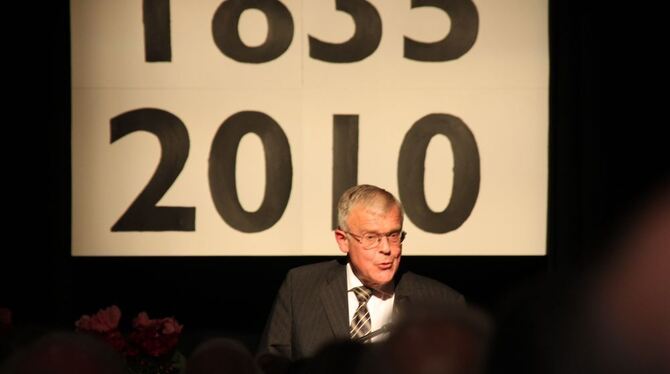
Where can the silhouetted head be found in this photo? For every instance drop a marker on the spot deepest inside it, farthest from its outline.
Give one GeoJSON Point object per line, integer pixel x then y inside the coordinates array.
{"type": "Point", "coordinates": [433, 339]}
{"type": "Point", "coordinates": [221, 355]}
{"type": "Point", "coordinates": [342, 356]}
{"type": "Point", "coordinates": [65, 353]}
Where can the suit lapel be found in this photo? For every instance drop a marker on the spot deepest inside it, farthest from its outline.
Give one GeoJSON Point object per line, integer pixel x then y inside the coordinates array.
{"type": "Point", "coordinates": [402, 295]}
{"type": "Point", "coordinates": [334, 299]}
{"type": "Point", "coordinates": [401, 287]}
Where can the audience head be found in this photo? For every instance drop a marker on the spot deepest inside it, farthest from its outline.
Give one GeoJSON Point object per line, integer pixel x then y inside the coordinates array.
{"type": "Point", "coordinates": [341, 356]}
{"type": "Point", "coordinates": [432, 339]}
{"type": "Point", "coordinates": [628, 304]}
{"type": "Point", "coordinates": [271, 363]}
{"type": "Point", "coordinates": [65, 353]}
{"type": "Point", "coordinates": [221, 355]}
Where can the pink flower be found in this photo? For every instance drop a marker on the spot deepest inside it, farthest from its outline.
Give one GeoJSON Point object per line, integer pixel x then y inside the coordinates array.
{"type": "Point", "coordinates": [142, 320]}
{"type": "Point", "coordinates": [117, 341]}
{"type": "Point", "coordinates": [105, 325]}
{"type": "Point", "coordinates": [171, 326]}
{"type": "Point", "coordinates": [155, 337]}
{"type": "Point", "coordinates": [166, 325]}
{"type": "Point", "coordinates": [106, 320]}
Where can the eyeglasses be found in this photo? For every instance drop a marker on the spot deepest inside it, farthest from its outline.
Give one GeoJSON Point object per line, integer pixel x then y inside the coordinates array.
{"type": "Point", "coordinates": [372, 240]}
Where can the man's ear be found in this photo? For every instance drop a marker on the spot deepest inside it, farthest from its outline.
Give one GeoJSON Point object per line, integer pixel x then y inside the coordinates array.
{"type": "Point", "coordinates": [342, 242]}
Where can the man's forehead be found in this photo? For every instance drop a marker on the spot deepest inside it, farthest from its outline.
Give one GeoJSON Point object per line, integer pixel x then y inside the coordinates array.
{"type": "Point", "coordinates": [378, 206]}
{"type": "Point", "coordinates": [362, 212]}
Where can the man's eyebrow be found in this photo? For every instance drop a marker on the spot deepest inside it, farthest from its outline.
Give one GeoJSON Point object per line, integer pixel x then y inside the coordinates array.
{"type": "Point", "coordinates": [383, 233]}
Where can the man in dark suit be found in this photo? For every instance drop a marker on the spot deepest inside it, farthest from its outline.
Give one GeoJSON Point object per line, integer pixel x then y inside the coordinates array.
{"type": "Point", "coordinates": [351, 299]}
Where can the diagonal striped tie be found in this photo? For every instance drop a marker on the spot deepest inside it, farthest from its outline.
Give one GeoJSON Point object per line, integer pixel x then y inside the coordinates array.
{"type": "Point", "coordinates": [360, 324]}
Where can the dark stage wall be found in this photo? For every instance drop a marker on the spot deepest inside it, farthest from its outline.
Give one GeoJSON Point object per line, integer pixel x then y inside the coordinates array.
{"type": "Point", "coordinates": [606, 153]}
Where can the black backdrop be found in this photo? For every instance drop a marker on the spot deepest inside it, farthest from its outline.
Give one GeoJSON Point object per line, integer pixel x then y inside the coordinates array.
{"type": "Point", "coordinates": [606, 153]}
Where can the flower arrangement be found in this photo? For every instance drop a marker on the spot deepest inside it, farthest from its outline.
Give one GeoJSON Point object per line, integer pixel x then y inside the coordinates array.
{"type": "Point", "coordinates": [149, 348]}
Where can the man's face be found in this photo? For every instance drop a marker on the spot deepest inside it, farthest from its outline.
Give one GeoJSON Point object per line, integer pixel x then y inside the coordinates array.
{"type": "Point", "coordinates": [375, 267]}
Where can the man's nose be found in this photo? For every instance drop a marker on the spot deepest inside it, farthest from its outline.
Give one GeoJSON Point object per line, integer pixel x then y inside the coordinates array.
{"type": "Point", "coordinates": [384, 245]}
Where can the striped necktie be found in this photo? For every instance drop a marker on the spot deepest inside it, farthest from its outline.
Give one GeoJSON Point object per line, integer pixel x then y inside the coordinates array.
{"type": "Point", "coordinates": [360, 324]}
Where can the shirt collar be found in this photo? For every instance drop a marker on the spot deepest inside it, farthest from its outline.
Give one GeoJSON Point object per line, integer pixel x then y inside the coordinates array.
{"type": "Point", "coordinates": [352, 279]}
{"type": "Point", "coordinates": [353, 282]}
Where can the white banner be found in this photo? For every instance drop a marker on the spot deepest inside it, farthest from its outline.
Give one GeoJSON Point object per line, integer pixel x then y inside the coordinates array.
{"type": "Point", "coordinates": [226, 127]}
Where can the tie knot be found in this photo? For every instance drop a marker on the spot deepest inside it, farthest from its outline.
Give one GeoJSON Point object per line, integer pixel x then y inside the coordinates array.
{"type": "Point", "coordinates": [362, 293]}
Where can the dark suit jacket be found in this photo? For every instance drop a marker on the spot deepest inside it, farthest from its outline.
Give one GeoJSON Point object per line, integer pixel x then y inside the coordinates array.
{"type": "Point", "coordinates": [311, 307]}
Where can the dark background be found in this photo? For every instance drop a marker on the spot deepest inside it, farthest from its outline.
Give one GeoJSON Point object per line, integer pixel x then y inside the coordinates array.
{"type": "Point", "coordinates": [606, 153]}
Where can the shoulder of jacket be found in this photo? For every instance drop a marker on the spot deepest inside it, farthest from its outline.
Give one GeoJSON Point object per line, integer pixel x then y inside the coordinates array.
{"type": "Point", "coordinates": [319, 268]}
{"type": "Point", "coordinates": [410, 279]}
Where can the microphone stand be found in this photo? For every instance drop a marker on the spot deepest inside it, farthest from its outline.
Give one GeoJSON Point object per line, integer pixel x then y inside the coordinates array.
{"type": "Point", "coordinates": [386, 328]}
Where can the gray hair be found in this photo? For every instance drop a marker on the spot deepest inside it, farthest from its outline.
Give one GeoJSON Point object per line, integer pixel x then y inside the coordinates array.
{"type": "Point", "coordinates": [364, 194]}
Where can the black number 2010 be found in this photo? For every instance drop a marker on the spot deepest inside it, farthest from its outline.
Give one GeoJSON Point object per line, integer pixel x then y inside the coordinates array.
{"type": "Point", "coordinates": [144, 215]}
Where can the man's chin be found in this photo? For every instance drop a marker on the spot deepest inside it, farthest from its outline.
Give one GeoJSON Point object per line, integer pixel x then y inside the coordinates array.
{"type": "Point", "coordinates": [384, 277]}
